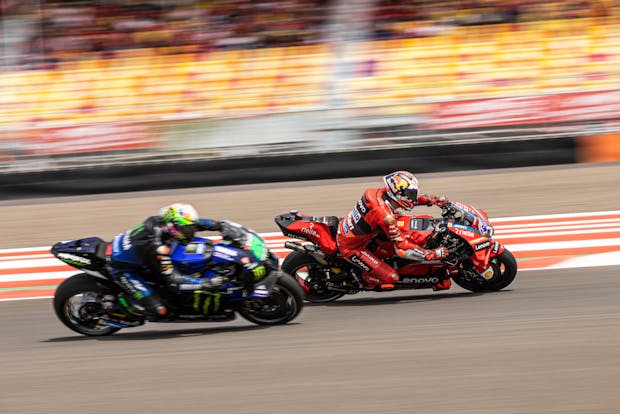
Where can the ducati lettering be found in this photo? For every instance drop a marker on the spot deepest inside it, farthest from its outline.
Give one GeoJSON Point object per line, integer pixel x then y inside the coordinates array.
{"type": "Point", "coordinates": [73, 258]}
{"type": "Point", "coordinates": [356, 215]}
{"type": "Point", "coordinates": [484, 245]}
{"type": "Point", "coordinates": [360, 263]}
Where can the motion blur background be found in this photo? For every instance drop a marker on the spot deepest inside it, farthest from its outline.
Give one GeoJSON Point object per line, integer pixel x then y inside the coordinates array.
{"type": "Point", "coordinates": [109, 96]}
{"type": "Point", "coordinates": [120, 82]}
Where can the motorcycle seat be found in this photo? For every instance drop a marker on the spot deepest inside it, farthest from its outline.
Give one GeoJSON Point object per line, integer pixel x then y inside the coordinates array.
{"type": "Point", "coordinates": [331, 222]}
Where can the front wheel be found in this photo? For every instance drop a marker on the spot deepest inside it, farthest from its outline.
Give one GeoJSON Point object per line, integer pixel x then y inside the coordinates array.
{"type": "Point", "coordinates": [282, 306]}
{"type": "Point", "coordinates": [78, 302]}
{"type": "Point", "coordinates": [504, 268]}
{"type": "Point", "coordinates": [311, 276]}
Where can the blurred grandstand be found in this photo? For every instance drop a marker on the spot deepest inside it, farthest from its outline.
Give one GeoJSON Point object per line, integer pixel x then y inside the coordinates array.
{"type": "Point", "coordinates": [112, 80]}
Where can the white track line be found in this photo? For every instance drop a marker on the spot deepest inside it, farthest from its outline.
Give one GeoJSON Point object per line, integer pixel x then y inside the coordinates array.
{"type": "Point", "coordinates": [556, 233]}
{"type": "Point", "coordinates": [526, 247]}
{"type": "Point", "coordinates": [552, 216]}
{"type": "Point", "coordinates": [556, 224]}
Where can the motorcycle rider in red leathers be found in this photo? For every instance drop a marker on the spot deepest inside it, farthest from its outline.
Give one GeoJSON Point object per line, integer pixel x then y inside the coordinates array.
{"type": "Point", "coordinates": [374, 214]}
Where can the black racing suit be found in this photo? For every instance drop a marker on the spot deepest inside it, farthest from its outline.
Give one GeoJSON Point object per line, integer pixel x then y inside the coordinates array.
{"type": "Point", "coordinates": [144, 253]}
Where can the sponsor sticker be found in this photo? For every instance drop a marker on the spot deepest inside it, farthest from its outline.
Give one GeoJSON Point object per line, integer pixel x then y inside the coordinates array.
{"type": "Point", "coordinates": [73, 258]}
{"type": "Point", "coordinates": [362, 207]}
{"type": "Point", "coordinates": [360, 263]}
{"type": "Point", "coordinates": [483, 245]}
{"type": "Point", "coordinates": [419, 280]}
{"type": "Point", "coordinates": [126, 241]}
{"type": "Point", "coordinates": [369, 257]}
{"type": "Point", "coordinates": [465, 233]}
{"type": "Point", "coordinates": [225, 250]}
{"type": "Point", "coordinates": [310, 231]}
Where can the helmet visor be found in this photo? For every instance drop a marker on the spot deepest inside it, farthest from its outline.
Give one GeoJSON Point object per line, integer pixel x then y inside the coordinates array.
{"type": "Point", "coordinates": [410, 194]}
{"type": "Point", "coordinates": [185, 233]}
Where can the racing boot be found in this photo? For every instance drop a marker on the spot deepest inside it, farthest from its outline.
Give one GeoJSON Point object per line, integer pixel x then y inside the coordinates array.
{"type": "Point", "coordinates": [154, 309]}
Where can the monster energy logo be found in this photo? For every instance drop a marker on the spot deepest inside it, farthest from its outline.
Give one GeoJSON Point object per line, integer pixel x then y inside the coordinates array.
{"type": "Point", "coordinates": [259, 272]}
{"type": "Point", "coordinates": [204, 299]}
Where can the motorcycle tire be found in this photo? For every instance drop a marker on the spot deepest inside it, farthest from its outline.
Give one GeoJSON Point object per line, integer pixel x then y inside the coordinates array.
{"type": "Point", "coordinates": [295, 263]}
{"type": "Point", "coordinates": [506, 276]}
{"type": "Point", "coordinates": [282, 306]}
{"type": "Point", "coordinates": [87, 290]}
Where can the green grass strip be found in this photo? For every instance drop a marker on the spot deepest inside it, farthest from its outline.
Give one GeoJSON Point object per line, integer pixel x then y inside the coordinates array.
{"type": "Point", "coordinates": [27, 288]}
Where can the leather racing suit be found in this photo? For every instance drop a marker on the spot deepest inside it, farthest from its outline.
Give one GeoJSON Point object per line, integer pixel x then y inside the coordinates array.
{"type": "Point", "coordinates": [371, 216]}
{"type": "Point", "coordinates": [144, 253]}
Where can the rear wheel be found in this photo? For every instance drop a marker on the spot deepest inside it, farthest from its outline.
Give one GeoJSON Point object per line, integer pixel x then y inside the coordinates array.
{"type": "Point", "coordinates": [282, 306]}
{"type": "Point", "coordinates": [504, 268]}
{"type": "Point", "coordinates": [311, 277]}
{"type": "Point", "coordinates": [78, 303]}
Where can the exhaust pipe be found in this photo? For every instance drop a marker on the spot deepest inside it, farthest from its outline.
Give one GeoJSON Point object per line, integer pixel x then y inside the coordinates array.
{"type": "Point", "coordinates": [307, 248]}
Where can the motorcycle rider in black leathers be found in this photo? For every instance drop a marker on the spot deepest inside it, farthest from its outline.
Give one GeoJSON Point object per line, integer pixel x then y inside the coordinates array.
{"type": "Point", "coordinates": [144, 252]}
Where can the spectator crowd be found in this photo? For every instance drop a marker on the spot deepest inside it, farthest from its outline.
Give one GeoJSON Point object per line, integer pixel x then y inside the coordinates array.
{"type": "Point", "coordinates": [65, 30]}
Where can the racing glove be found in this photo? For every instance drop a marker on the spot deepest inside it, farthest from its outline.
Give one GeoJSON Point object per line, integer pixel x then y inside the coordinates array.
{"type": "Point", "coordinates": [208, 224]}
{"type": "Point", "coordinates": [439, 201]}
{"type": "Point", "coordinates": [231, 232]}
{"type": "Point", "coordinates": [431, 200]}
{"type": "Point", "coordinates": [165, 262]}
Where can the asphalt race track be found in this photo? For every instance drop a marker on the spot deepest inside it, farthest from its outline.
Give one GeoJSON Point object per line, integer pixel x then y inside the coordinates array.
{"type": "Point", "coordinates": [548, 344]}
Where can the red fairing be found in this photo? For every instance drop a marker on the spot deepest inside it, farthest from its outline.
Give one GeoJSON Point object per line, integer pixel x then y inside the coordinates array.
{"type": "Point", "coordinates": [418, 237]}
{"type": "Point", "coordinates": [315, 232]}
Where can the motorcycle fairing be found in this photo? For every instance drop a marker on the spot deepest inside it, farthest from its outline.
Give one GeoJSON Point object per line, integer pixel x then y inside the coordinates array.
{"type": "Point", "coordinates": [319, 230]}
{"type": "Point", "coordinates": [87, 253]}
{"type": "Point", "coordinates": [122, 251]}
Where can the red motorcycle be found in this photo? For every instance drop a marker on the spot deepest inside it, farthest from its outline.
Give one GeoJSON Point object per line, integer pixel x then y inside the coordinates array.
{"type": "Point", "coordinates": [476, 262]}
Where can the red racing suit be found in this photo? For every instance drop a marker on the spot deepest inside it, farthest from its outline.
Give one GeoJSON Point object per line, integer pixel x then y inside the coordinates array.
{"type": "Point", "coordinates": [371, 216]}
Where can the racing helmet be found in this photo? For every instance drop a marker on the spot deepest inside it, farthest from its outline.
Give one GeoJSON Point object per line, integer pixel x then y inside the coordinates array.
{"type": "Point", "coordinates": [180, 220]}
{"type": "Point", "coordinates": [402, 189]}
